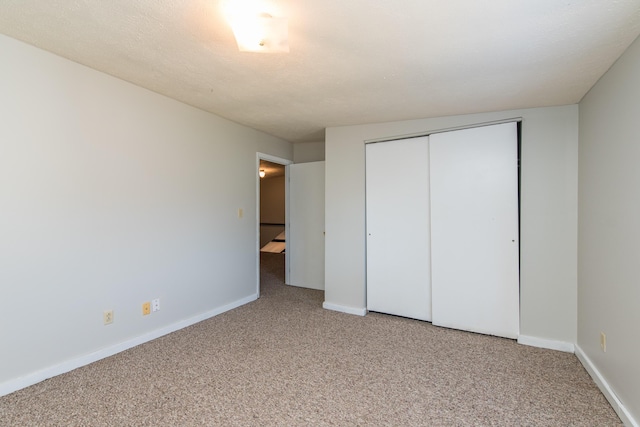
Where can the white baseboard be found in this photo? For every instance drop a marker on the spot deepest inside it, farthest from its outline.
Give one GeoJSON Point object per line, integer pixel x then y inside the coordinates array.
{"type": "Point", "coordinates": [69, 365]}
{"type": "Point", "coordinates": [344, 309]}
{"type": "Point", "coordinates": [602, 383]}
{"type": "Point", "coordinates": [567, 347]}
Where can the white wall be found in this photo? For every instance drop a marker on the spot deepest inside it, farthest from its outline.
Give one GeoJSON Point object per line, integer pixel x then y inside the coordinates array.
{"type": "Point", "coordinates": [609, 228]}
{"type": "Point", "coordinates": [548, 215]}
{"type": "Point", "coordinates": [305, 152]}
{"type": "Point", "coordinates": [110, 196]}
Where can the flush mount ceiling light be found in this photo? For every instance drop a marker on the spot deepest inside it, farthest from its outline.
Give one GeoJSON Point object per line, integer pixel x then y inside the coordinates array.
{"type": "Point", "coordinates": [256, 30]}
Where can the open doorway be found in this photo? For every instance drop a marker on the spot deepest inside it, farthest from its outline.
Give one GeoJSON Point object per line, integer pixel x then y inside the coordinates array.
{"type": "Point", "coordinates": [272, 207]}
{"type": "Point", "coordinates": [272, 219]}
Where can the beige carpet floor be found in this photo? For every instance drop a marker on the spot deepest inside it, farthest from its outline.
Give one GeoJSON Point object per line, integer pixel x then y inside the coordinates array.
{"type": "Point", "coordinates": [284, 361]}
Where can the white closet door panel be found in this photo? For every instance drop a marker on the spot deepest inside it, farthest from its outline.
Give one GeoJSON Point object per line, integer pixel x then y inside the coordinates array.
{"type": "Point", "coordinates": [474, 230]}
{"type": "Point", "coordinates": [397, 199]}
{"type": "Point", "coordinates": [306, 211]}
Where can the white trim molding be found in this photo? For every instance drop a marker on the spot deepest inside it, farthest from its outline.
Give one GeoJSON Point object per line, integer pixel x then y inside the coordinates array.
{"type": "Point", "coordinates": [344, 309]}
{"type": "Point", "coordinates": [69, 365]}
{"type": "Point", "coordinates": [567, 347]}
{"type": "Point", "coordinates": [605, 388]}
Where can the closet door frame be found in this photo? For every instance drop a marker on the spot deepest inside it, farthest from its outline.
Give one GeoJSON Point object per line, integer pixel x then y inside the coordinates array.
{"type": "Point", "coordinates": [374, 307]}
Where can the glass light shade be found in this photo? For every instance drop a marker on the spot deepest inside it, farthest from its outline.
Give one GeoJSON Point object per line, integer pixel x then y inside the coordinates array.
{"type": "Point", "coordinates": [261, 33]}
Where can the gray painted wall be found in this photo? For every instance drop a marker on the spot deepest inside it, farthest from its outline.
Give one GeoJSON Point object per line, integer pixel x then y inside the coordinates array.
{"type": "Point", "coordinates": [609, 228]}
{"type": "Point", "coordinates": [111, 196]}
{"type": "Point", "coordinates": [305, 152]}
{"type": "Point", "coordinates": [548, 216]}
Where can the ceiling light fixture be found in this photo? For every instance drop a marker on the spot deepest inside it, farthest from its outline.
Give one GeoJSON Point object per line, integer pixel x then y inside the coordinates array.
{"type": "Point", "coordinates": [262, 173]}
{"type": "Point", "coordinates": [256, 30]}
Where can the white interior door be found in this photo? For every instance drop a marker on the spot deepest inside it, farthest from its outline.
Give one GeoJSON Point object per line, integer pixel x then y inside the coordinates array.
{"type": "Point", "coordinates": [305, 242]}
{"type": "Point", "coordinates": [397, 206]}
{"type": "Point", "coordinates": [474, 230]}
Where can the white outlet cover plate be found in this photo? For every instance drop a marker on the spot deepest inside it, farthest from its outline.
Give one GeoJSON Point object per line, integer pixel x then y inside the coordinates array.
{"type": "Point", "coordinates": [107, 316]}
{"type": "Point", "coordinates": [155, 304]}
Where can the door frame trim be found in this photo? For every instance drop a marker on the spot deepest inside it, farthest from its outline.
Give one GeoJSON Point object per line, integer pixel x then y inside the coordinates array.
{"type": "Point", "coordinates": [431, 132]}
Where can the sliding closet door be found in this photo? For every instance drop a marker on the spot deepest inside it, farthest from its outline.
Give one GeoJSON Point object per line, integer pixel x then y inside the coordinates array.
{"type": "Point", "coordinates": [474, 229]}
{"type": "Point", "coordinates": [397, 192]}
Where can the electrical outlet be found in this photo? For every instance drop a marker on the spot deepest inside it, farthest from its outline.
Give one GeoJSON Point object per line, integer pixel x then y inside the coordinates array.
{"type": "Point", "coordinates": [603, 341]}
{"type": "Point", "coordinates": [146, 308]}
{"type": "Point", "coordinates": [107, 316]}
{"type": "Point", "coordinates": [155, 305]}
{"type": "Point", "coordinates": [240, 213]}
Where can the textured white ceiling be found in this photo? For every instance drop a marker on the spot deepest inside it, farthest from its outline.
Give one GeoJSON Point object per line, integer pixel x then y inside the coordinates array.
{"type": "Point", "coordinates": [350, 61]}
